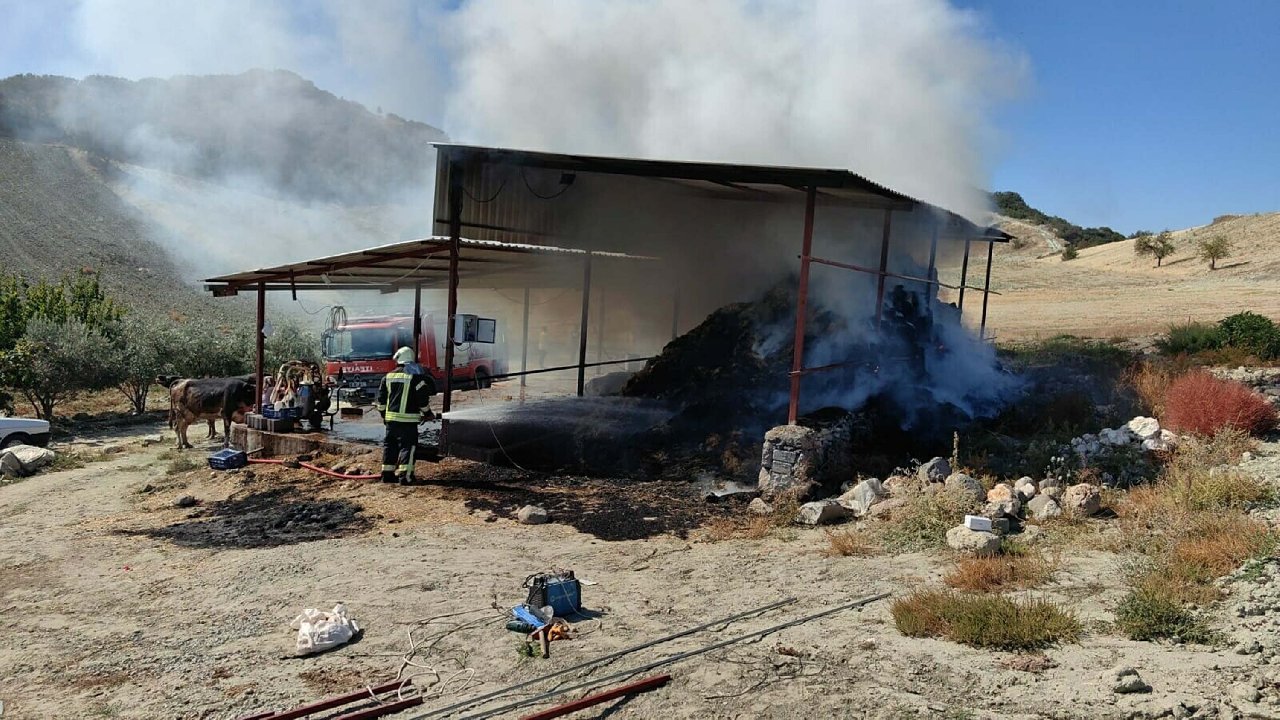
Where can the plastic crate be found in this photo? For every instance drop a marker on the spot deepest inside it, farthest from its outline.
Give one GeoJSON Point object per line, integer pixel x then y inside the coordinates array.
{"type": "Point", "coordinates": [292, 413]}
{"type": "Point", "coordinates": [228, 459]}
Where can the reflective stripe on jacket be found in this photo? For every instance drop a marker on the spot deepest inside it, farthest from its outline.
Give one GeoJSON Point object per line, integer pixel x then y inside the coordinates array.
{"type": "Point", "coordinates": [402, 397]}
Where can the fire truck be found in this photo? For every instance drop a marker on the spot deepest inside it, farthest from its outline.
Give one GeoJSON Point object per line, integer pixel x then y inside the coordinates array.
{"type": "Point", "coordinates": [358, 352]}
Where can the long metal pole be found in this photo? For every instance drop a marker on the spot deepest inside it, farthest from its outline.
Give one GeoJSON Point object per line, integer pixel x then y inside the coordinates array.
{"type": "Point", "coordinates": [675, 314]}
{"type": "Point", "coordinates": [964, 275]}
{"type": "Point", "coordinates": [524, 345]}
{"type": "Point", "coordinates": [600, 330]}
{"type": "Point", "coordinates": [933, 255]}
{"type": "Point", "coordinates": [417, 320]}
{"type": "Point", "coordinates": [582, 329]}
{"type": "Point", "coordinates": [986, 290]}
{"type": "Point", "coordinates": [675, 658]}
{"type": "Point", "coordinates": [455, 243]}
{"type": "Point", "coordinates": [259, 345]}
{"type": "Point", "coordinates": [802, 307]}
{"type": "Point", "coordinates": [600, 660]}
{"type": "Point", "coordinates": [884, 265]}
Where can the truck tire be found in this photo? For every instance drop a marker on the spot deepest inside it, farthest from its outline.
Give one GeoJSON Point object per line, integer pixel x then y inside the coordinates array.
{"type": "Point", "coordinates": [18, 438]}
{"type": "Point", "coordinates": [483, 381]}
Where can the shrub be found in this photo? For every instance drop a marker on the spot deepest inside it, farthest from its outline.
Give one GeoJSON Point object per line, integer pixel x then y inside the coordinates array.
{"type": "Point", "coordinates": [987, 621]}
{"type": "Point", "coordinates": [1070, 253]}
{"type": "Point", "coordinates": [1006, 571]}
{"type": "Point", "coordinates": [1201, 403]}
{"type": "Point", "coordinates": [1148, 614]}
{"type": "Point", "coordinates": [849, 543]}
{"type": "Point", "coordinates": [1150, 382]}
{"type": "Point", "coordinates": [1191, 337]}
{"type": "Point", "coordinates": [1253, 332]}
{"type": "Point", "coordinates": [924, 520]}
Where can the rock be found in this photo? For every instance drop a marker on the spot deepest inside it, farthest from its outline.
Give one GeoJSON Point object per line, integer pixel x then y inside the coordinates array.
{"type": "Point", "coordinates": [1144, 428]}
{"type": "Point", "coordinates": [533, 515]}
{"type": "Point", "coordinates": [1005, 508]}
{"type": "Point", "coordinates": [1053, 491]}
{"type": "Point", "coordinates": [1245, 691]}
{"type": "Point", "coordinates": [900, 485]}
{"type": "Point", "coordinates": [1128, 681]}
{"type": "Point", "coordinates": [1000, 492]}
{"type": "Point", "coordinates": [1000, 526]}
{"type": "Point", "coordinates": [1155, 444]}
{"type": "Point", "coordinates": [186, 501]}
{"type": "Point", "coordinates": [821, 512]}
{"type": "Point", "coordinates": [886, 507]}
{"type": "Point", "coordinates": [1246, 456]}
{"type": "Point", "coordinates": [1116, 436]}
{"type": "Point", "coordinates": [976, 542]}
{"type": "Point", "coordinates": [1082, 500]}
{"type": "Point", "coordinates": [26, 459]}
{"type": "Point", "coordinates": [1043, 507]}
{"type": "Point", "coordinates": [1026, 490]}
{"type": "Point", "coordinates": [1031, 534]}
{"type": "Point", "coordinates": [759, 507]}
{"type": "Point", "coordinates": [862, 496]}
{"type": "Point", "coordinates": [148, 488]}
{"type": "Point", "coordinates": [965, 486]}
{"type": "Point", "coordinates": [934, 471]}
{"type": "Point", "coordinates": [1048, 483]}
{"type": "Point", "coordinates": [1252, 648]}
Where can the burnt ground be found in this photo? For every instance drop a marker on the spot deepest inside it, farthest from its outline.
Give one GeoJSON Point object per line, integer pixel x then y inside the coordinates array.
{"type": "Point", "coordinates": [279, 516]}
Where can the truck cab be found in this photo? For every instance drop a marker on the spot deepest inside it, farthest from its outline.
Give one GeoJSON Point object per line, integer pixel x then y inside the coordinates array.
{"type": "Point", "coordinates": [359, 353]}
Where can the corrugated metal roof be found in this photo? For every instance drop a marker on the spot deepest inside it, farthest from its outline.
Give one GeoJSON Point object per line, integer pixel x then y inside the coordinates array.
{"type": "Point", "coordinates": [485, 263]}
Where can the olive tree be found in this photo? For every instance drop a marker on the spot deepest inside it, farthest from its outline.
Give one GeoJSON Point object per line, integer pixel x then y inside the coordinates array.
{"type": "Point", "coordinates": [1156, 246]}
{"type": "Point", "coordinates": [1214, 249]}
{"type": "Point", "coordinates": [55, 361]}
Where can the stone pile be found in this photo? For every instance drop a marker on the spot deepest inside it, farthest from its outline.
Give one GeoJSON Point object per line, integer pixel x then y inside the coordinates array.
{"type": "Point", "coordinates": [1140, 432]}
{"type": "Point", "coordinates": [1264, 380]}
{"type": "Point", "coordinates": [802, 459]}
{"type": "Point", "coordinates": [23, 460]}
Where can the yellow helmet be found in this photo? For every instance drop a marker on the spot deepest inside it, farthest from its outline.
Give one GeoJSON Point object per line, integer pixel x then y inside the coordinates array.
{"type": "Point", "coordinates": [404, 356]}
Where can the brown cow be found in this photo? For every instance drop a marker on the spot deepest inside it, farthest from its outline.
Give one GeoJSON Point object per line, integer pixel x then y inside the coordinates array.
{"type": "Point", "coordinates": [193, 400]}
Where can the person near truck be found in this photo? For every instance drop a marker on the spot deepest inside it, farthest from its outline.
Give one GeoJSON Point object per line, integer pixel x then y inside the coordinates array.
{"type": "Point", "coordinates": [403, 399]}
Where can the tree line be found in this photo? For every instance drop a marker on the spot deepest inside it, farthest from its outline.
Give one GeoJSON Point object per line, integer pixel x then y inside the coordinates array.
{"type": "Point", "coordinates": [59, 339]}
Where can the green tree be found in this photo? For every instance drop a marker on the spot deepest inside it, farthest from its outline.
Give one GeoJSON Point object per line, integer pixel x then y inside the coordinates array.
{"type": "Point", "coordinates": [1070, 253]}
{"type": "Point", "coordinates": [1214, 249]}
{"type": "Point", "coordinates": [207, 349]}
{"type": "Point", "coordinates": [290, 341]}
{"type": "Point", "coordinates": [1156, 246]}
{"type": "Point", "coordinates": [145, 348]}
{"type": "Point", "coordinates": [55, 361]}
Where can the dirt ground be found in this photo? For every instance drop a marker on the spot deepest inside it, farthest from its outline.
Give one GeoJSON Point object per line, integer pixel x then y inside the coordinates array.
{"type": "Point", "coordinates": [117, 603]}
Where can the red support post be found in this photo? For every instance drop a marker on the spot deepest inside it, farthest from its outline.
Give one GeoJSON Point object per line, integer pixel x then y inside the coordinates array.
{"type": "Point", "coordinates": [259, 345]}
{"type": "Point", "coordinates": [590, 700]}
{"type": "Point", "coordinates": [986, 290]}
{"type": "Point", "coordinates": [582, 330]}
{"type": "Point", "coordinates": [884, 265]}
{"type": "Point", "coordinates": [524, 341]}
{"type": "Point", "coordinates": [802, 307]}
{"type": "Point", "coordinates": [455, 245]}
{"type": "Point", "coordinates": [417, 320]}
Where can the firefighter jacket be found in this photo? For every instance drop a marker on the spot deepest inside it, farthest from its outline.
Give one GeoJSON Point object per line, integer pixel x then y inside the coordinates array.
{"type": "Point", "coordinates": [403, 397]}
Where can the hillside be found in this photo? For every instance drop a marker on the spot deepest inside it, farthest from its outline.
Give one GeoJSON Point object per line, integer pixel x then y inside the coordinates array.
{"type": "Point", "coordinates": [1109, 290]}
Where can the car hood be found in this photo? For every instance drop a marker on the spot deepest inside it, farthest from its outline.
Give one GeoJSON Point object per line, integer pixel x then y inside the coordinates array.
{"type": "Point", "coordinates": [27, 425]}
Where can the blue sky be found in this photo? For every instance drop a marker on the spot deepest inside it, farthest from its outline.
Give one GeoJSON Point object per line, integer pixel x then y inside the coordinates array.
{"type": "Point", "coordinates": [1142, 115]}
{"type": "Point", "coordinates": [1137, 115]}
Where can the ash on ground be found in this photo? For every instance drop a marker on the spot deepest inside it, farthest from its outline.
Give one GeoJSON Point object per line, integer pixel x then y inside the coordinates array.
{"type": "Point", "coordinates": [280, 516]}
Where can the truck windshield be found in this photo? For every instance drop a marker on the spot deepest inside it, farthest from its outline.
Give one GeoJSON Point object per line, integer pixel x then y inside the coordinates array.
{"type": "Point", "coordinates": [359, 344]}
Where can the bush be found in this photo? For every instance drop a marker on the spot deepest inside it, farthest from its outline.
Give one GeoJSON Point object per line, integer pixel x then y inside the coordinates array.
{"type": "Point", "coordinates": [1070, 253]}
{"type": "Point", "coordinates": [1201, 403]}
{"type": "Point", "coordinates": [1011, 569]}
{"type": "Point", "coordinates": [986, 621]}
{"type": "Point", "coordinates": [1253, 332]}
{"type": "Point", "coordinates": [56, 360]}
{"type": "Point", "coordinates": [1150, 382]}
{"type": "Point", "coordinates": [1192, 337]}
{"type": "Point", "coordinates": [922, 523]}
{"type": "Point", "coordinates": [1148, 614]}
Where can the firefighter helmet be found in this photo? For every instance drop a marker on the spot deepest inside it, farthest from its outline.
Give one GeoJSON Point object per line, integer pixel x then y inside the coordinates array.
{"type": "Point", "coordinates": [404, 356]}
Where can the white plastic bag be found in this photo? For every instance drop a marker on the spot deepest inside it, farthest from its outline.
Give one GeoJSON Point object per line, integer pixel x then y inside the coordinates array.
{"type": "Point", "coordinates": [319, 630]}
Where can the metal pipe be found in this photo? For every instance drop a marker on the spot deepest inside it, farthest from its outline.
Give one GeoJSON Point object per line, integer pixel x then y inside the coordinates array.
{"type": "Point", "coordinates": [986, 291]}
{"type": "Point", "coordinates": [524, 349]}
{"type": "Point", "coordinates": [455, 241]}
{"type": "Point", "coordinates": [675, 658]}
{"type": "Point", "coordinates": [539, 371]}
{"type": "Point", "coordinates": [933, 254]}
{"type": "Point", "coordinates": [802, 306]}
{"type": "Point", "coordinates": [327, 703]}
{"type": "Point", "coordinates": [873, 271]}
{"type": "Point", "coordinates": [600, 329]}
{"type": "Point", "coordinates": [582, 330]}
{"type": "Point", "coordinates": [417, 320]}
{"type": "Point", "coordinates": [259, 345]}
{"type": "Point", "coordinates": [884, 266]}
{"type": "Point", "coordinates": [592, 700]}
{"type": "Point", "coordinates": [964, 276]}
{"type": "Point", "coordinates": [382, 710]}
{"type": "Point", "coordinates": [596, 661]}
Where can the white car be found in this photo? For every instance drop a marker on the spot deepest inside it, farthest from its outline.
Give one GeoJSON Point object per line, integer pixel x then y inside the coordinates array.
{"type": "Point", "coordinates": [23, 431]}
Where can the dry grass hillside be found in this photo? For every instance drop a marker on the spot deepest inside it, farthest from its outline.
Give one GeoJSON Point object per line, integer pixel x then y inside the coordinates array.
{"type": "Point", "coordinates": [1110, 291]}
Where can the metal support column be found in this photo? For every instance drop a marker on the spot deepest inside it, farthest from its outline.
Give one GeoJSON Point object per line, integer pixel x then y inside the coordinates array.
{"type": "Point", "coordinates": [524, 342]}
{"type": "Point", "coordinates": [802, 305]}
{"type": "Point", "coordinates": [964, 276]}
{"type": "Point", "coordinates": [600, 331]}
{"type": "Point", "coordinates": [884, 265]}
{"type": "Point", "coordinates": [417, 321]}
{"type": "Point", "coordinates": [455, 242]}
{"type": "Point", "coordinates": [986, 289]}
{"type": "Point", "coordinates": [933, 257]}
{"type": "Point", "coordinates": [675, 314]}
{"type": "Point", "coordinates": [259, 345]}
{"type": "Point", "coordinates": [582, 330]}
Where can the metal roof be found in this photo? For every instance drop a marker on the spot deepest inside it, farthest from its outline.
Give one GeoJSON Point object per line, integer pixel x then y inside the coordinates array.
{"type": "Point", "coordinates": [483, 263]}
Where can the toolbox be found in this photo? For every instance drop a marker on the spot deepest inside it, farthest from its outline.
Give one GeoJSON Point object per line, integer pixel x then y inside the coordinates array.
{"type": "Point", "coordinates": [561, 590]}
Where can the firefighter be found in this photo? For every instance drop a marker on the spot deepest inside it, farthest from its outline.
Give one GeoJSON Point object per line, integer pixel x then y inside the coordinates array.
{"type": "Point", "coordinates": [403, 401]}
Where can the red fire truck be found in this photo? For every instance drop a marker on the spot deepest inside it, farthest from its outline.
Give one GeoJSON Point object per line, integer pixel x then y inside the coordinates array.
{"type": "Point", "coordinates": [358, 353]}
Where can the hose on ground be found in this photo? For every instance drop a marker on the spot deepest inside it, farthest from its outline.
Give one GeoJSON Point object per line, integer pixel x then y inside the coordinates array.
{"type": "Point", "coordinates": [314, 468]}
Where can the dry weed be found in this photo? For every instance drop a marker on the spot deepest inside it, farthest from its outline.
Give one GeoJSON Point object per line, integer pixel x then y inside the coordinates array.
{"type": "Point", "coordinates": [1000, 572]}
{"type": "Point", "coordinates": [850, 543]}
{"type": "Point", "coordinates": [1151, 381]}
{"type": "Point", "coordinates": [989, 621]}
{"type": "Point", "coordinates": [745, 526]}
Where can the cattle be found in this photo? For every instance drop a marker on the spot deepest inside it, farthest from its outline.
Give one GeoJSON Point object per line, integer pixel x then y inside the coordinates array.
{"type": "Point", "coordinates": [195, 399]}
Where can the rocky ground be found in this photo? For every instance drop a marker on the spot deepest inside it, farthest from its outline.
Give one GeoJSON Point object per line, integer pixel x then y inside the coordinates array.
{"type": "Point", "coordinates": [109, 612]}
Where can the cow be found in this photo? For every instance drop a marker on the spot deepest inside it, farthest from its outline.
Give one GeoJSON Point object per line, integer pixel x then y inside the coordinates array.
{"type": "Point", "coordinates": [168, 381]}
{"type": "Point", "coordinates": [195, 399]}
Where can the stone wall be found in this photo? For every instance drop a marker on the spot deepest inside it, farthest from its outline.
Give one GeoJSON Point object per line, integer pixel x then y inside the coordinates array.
{"type": "Point", "coordinates": [812, 456]}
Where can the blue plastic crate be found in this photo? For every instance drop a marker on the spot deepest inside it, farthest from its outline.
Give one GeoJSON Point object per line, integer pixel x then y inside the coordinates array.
{"type": "Point", "coordinates": [228, 459]}
{"type": "Point", "coordinates": [271, 413]}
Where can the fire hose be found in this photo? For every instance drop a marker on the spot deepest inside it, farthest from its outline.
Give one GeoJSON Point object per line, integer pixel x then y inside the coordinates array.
{"type": "Point", "coordinates": [313, 468]}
